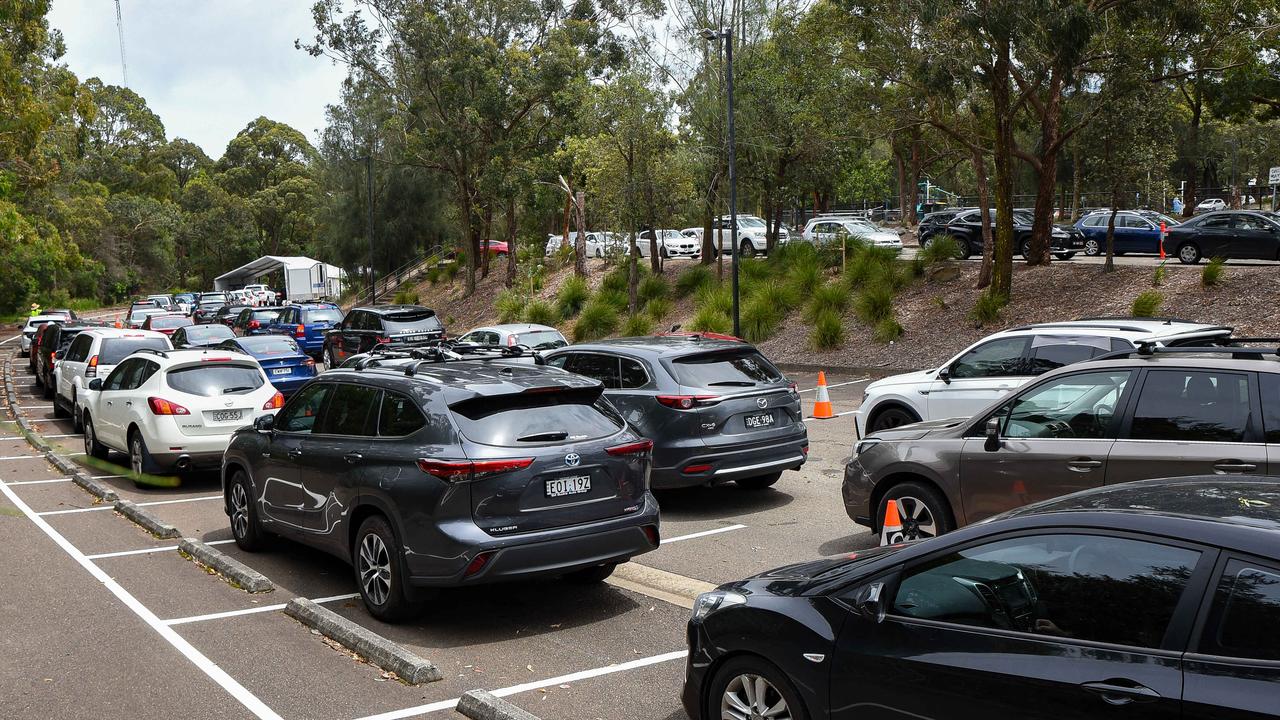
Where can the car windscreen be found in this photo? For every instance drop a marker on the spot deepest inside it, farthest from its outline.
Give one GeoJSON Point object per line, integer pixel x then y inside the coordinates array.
{"type": "Point", "coordinates": [140, 315]}
{"type": "Point", "coordinates": [197, 334]}
{"type": "Point", "coordinates": [319, 315]}
{"type": "Point", "coordinates": [114, 350]}
{"type": "Point", "coordinates": [735, 368]}
{"type": "Point", "coordinates": [541, 339]}
{"type": "Point", "coordinates": [524, 419]}
{"type": "Point", "coordinates": [266, 316]}
{"type": "Point", "coordinates": [174, 321]}
{"type": "Point", "coordinates": [66, 336]}
{"type": "Point", "coordinates": [216, 379]}
{"type": "Point", "coordinates": [269, 345]}
{"type": "Point", "coordinates": [211, 304]}
{"type": "Point", "coordinates": [420, 320]}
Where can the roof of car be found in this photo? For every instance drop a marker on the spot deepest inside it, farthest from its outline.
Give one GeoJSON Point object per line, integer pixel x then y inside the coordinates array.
{"type": "Point", "coordinates": [463, 379]}
{"type": "Point", "coordinates": [667, 345]}
{"type": "Point", "coordinates": [1130, 328]}
{"type": "Point", "coordinates": [110, 332]}
{"type": "Point", "coordinates": [390, 309]}
{"type": "Point", "coordinates": [515, 328]}
{"type": "Point", "coordinates": [1247, 359]}
{"type": "Point", "coordinates": [1244, 500]}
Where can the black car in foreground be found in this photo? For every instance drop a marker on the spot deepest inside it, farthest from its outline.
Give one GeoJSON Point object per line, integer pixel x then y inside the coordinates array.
{"type": "Point", "coordinates": [424, 474]}
{"type": "Point", "coordinates": [1153, 599]}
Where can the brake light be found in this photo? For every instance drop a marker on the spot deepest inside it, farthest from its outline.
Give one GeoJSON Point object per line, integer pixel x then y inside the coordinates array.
{"type": "Point", "coordinates": [160, 406]}
{"type": "Point", "coordinates": [511, 341]}
{"type": "Point", "coordinates": [635, 448]}
{"type": "Point", "coordinates": [254, 325]}
{"type": "Point", "coordinates": [651, 532]}
{"type": "Point", "coordinates": [275, 403]}
{"type": "Point", "coordinates": [478, 563]}
{"type": "Point", "coordinates": [695, 469]}
{"type": "Point", "coordinates": [301, 331]}
{"type": "Point", "coordinates": [687, 402]}
{"type": "Point", "coordinates": [91, 370]}
{"type": "Point", "coordinates": [462, 470]}
{"type": "Point", "coordinates": [793, 387]}
{"type": "Point", "coordinates": [311, 363]}
{"type": "Point", "coordinates": [215, 359]}
{"type": "Point", "coordinates": [384, 339]}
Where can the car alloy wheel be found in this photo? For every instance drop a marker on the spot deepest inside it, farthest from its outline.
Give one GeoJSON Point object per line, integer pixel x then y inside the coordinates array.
{"type": "Point", "coordinates": [135, 454]}
{"type": "Point", "coordinates": [747, 250]}
{"type": "Point", "coordinates": [890, 418]}
{"type": "Point", "coordinates": [1026, 249]}
{"type": "Point", "coordinates": [752, 697]}
{"type": "Point", "coordinates": [374, 565]}
{"type": "Point", "coordinates": [1189, 254]}
{"type": "Point", "coordinates": [239, 511]}
{"type": "Point", "coordinates": [89, 440]}
{"type": "Point", "coordinates": [917, 519]}
{"type": "Point", "coordinates": [1092, 248]}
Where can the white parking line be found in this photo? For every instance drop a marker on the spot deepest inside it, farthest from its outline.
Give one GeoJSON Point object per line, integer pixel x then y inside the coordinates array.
{"type": "Point", "coordinates": [536, 685]}
{"type": "Point", "coordinates": [20, 457]}
{"type": "Point", "coordinates": [144, 551]}
{"type": "Point", "coordinates": [851, 382]}
{"type": "Point", "coordinates": [704, 533]}
{"type": "Point", "coordinates": [56, 480]}
{"type": "Point", "coordinates": [36, 407]}
{"type": "Point", "coordinates": [197, 658]}
{"type": "Point", "coordinates": [15, 337]}
{"type": "Point", "coordinates": [64, 435]}
{"type": "Point", "coordinates": [251, 611]}
{"type": "Point", "coordinates": [95, 508]}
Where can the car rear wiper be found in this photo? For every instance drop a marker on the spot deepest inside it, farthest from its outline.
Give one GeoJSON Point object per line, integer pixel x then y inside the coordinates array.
{"type": "Point", "coordinates": [544, 437]}
{"type": "Point", "coordinates": [734, 383]}
{"type": "Point", "coordinates": [228, 391]}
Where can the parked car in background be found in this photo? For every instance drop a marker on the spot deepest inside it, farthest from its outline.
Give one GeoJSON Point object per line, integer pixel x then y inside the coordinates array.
{"type": "Point", "coordinates": [834, 228]}
{"type": "Point", "coordinates": [286, 366]}
{"type": "Point", "coordinates": [1236, 234]}
{"type": "Point", "coordinates": [35, 343]}
{"type": "Point", "coordinates": [92, 354]}
{"type": "Point", "coordinates": [931, 223]}
{"type": "Point", "coordinates": [31, 327]}
{"type": "Point", "coordinates": [1157, 599]}
{"type": "Point", "coordinates": [255, 320]}
{"type": "Point", "coordinates": [1134, 233]}
{"type": "Point", "coordinates": [497, 248]}
{"type": "Point", "coordinates": [139, 314]}
{"type": "Point", "coordinates": [53, 344]}
{"type": "Point", "coordinates": [207, 310]}
{"type": "Point", "coordinates": [1005, 360]}
{"type": "Point", "coordinates": [597, 243]}
{"type": "Point", "coordinates": [166, 322]}
{"type": "Point", "coordinates": [175, 410]}
{"type": "Point", "coordinates": [752, 235]}
{"type": "Point", "coordinates": [537, 337]}
{"type": "Point", "coordinates": [228, 314]}
{"type": "Point", "coordinates": [390, 325]}
{"type": "Point", "coordinates": [966, 228]}
{"type": "Point", "coordinates": [164, 302]}
{"type": "Point", "coordinates": [260, 294]}
{"type": "Point", "coordinates": [1155, 413]}
{"type": "Point", "coordinates": [1210, 205]}
{"type": "Point", "coordinates": [186, 302]}
{"type": "Point", "coordinates": [307, 324]}
{"type": "Point", "coordinates": [201, 335]}
{"type": "Point", "coordinates": [64, 313]}
{"type": "Point", "coordinates": [671, 244]}
{"type": "Point", "coordinates": [716, 410]}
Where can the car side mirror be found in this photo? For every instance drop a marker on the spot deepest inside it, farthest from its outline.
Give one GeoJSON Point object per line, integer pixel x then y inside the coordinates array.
{"type": "Point", "coordinates": [58, 355]}
{"type": "Point", "coordinates": [264, 423]}
{"type": "Point", "coordinates": [95, 384]}
{"type": "Point", "coordinates": [993, 435]}
{"type": "Point", "coordinates": [869, 603]}
{"type": "Point", "coordinates": [945, 375]}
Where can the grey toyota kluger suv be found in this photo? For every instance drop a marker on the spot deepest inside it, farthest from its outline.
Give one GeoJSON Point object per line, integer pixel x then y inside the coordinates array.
{"type": "Point", "coordinates": [425, 473]}
{"type": "Point", "coordinates": [1152, 412]}
{"type": "Point", "coordinates": [714, 407]}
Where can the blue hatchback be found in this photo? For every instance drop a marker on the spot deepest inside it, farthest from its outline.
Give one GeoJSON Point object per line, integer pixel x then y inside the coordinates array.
{"type": "Point", "coordinates": [307, 324]}
{"type": "Point", "coordinates": [286, 366]}
{"type": "Point", "coordinates": [1137, 231]}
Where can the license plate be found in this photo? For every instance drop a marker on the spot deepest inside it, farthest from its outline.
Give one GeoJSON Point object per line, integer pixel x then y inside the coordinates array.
{"type": "Point", "coordinates": [281, 371]}
{"type": "Point", "coordinates": [226, 415]}
{"type": "Point", "coordinates": [568, 486]}
{"type": "Point", "coordinates": [759, 420]}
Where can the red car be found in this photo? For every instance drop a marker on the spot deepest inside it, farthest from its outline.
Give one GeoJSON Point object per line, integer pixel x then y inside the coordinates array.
{"type": "Point", "coordinates": [166, 323]}
{"type": "Point", "coordinates": [496, 247]}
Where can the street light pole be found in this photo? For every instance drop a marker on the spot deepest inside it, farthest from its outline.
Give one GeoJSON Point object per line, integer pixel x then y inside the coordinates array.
{"type": "Point", "coordinates": [727, 37]}
{"type": "Point", "coordinates": [373, 274]}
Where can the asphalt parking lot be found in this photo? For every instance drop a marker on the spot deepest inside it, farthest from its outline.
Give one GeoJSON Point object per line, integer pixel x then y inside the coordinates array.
{"type": "Point", "coordinates": [94, 602]}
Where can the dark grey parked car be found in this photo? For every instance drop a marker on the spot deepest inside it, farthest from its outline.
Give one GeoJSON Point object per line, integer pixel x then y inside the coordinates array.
{"type": "Point", "coordinates": [427, 474]}
{"type": "Point", "coordinates": [716, 409]}
{"type": "Point", "coordinates": [1152, 412]}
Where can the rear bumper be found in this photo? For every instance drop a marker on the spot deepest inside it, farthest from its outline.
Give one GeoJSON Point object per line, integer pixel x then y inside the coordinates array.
{"type": "Point", "coordinates": [743, 462]}
{"type": "Point", "coordinates": [184, 461]}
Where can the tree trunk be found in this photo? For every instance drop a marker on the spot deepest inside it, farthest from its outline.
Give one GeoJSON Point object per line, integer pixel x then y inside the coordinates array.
{"type": "Point", "coordinates": [1110, 264]}
{"type": "Point", "coordinates": [984, 206]}
{"type": "Point", "coordinates": [568, 206]}
{"type": "Point", "coordinates": [633, 271]}
{"type": "Point", "coordinates": [900, 164]}
{"type": "Point", "coordinates": [1077, 169]}
{"type": "Point", "coordinates": [708, 221]}
{"type": "Point", "coordinates": [1047, 181]}
{"type": "Point", "coordinates": [913, 191]}
{"type": "Point", "coordinates": [1002, 259]}
{"type": "Point", "coordinates": [1193, 150]}
{"type": "Point", "coordinates": [580, 241]}
{"type": "Point", "coordinates": [488, 238]}
{"type": "Point", "coordinates": [511, 240]}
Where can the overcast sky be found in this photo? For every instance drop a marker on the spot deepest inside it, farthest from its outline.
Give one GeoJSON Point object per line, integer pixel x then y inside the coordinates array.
{"type": "Point", "coordinates": [206, 68]}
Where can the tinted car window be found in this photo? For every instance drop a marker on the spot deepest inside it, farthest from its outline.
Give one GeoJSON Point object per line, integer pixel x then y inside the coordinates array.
{"type": "Point", "coordinates": [1216, 222]}
{"type": "Point", "coordinates": [299, 415]}
{"type": "Point", "coordinates": [541, 339]}
{"type": "Point", "coordinates": [79, 350]}
{"type": "Point", "coordinates": [351, 411]}
{"type": "Point", "coordinates": [207, 334]}
{"type": "Point", "coordinates": [264, 316]}
{"type": "Point", "coordinates": [519, 419]}
{"type": "Point", "coordinates": [1247, 612]}
{"type": "Point", "coordinates": [332, 315]}
{"type": "Point", "coordinates": [598, 367]}
{"type": "Point", "coordinates": [1096, 221]}
{"type": "Point", "coordinates": [998, 358]}
{"type": "Point", "coordinates": [633, 374]}
{"type": "Point", "coordinates": [736, 368]}
{"type": "Point", "coordinates": [1271, 405]}
{"type": "Point", "coordinates": [399, 416]}
{"type": "Point", "coordinates": [1074, 406]}
{"type": "Point", "coordinates": [422, 320]}
{"type": "Point", "coordinates": [114, 350]}
{"type": "Point", "coordinates": [216, 379]}
{"type": "Point", "coordinates": [269, 345]}
{"type": "Point", "coordinates": [1055, 585]}
{"type": "Point", "coordinates": [1192, 405]}
{"type": "Point", "coordinates": [116, 380]}
{"type": "Point", "coordinates": [1052, 352]}
{"type": "Point", "coordinates": [164, 323]}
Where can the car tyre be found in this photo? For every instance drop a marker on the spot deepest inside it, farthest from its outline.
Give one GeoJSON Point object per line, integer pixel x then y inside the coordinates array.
{"type": "Point", "coordinates": [592, 575]}
{"type": "Point", "coordinates": [759, 482]}
{"type": "Point", "coordinates": [1065, 255]}
{"type": "Point", "coordinates": [924, 511]}
{"type": "Point", "coordinates": [379, 570]}
{"type": "Point", "coordinates": [1092, 248]}
{"type": "Point", "coordinates": [1188, 253]}
{"type": "Point", "coordinates": [330, 362]}
{"type": "Point", "coordinates": [242, 510]}
{"type": "Point", "coordinates": [736, 691]}
{"type": "Point", "coordinates": [968, 250]}
{"type": "Point", "coordinates": [77, 416]}
{"type": "Point", "coordinates": [48, 391]}
{"type": "Point", "coordinates": [891, 417]}
{"type": "Point", "coordinates": [92, 447]}
{"type": "Point", "coordinates": [140, 461]}
{"type": "Point", "coordinates": [747, 250]}
{"type": "Point", "coordinates": [1026, 249]}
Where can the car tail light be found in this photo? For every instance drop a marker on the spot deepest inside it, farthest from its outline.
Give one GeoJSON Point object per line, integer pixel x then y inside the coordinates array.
{"type": "Point", "coordinates": [254, 325]}
{"type": "Point", "coordinates": [511, 341]}
{"type": "Point", "coordinates": [478, 563]}
{"type": "Point", "coordinates": [91, 370]}
{"type": "Point", "coordinates": [160, 406]}
{"type": "Point", "coordinates": [311, 363]}
{"type": "Point", "coordinates": [300, 331]}
{"type": "Point", "coordinates": [462, 470]}
{"type": "Point", "coordinates": [695, 469]}
{"type": "Point", "coordinates": [275, 403]}
{"type": "Point", "coordinates": [687, 402]}
{"type": "Point", "coordinates": [651, 532]}
{"type": "Point", "coordinates": [635, 448]}
{"type": "Point", "coordinates": [793, 387]}
{"type": "Point", "coordinates": [384, 339]}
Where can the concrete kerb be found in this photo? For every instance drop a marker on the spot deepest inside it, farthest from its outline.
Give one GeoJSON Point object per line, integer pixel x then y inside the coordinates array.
{"type": "Point", "coordinates": [230, 569]}
{"type": "Point", "coordinates": [93, 487]}
{"type": "Point", "coordinates": [484, 705]}
{"type": "Point", "coordinates": [376, 649]}
{"type": "Point", "coordinates": [146, 520]}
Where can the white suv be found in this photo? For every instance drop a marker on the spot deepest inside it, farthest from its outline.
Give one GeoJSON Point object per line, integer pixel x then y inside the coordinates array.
{"type": "Point", "coordinates": [29, 331]}
{"type": "Point", "coordinates": [175, 410]}
{"type": "Point", "coordinates": [830, 228]}
{"type": "Point", "coordinates": [1001, 362]}
{"type": "Point", "coordinates": [95, 353]}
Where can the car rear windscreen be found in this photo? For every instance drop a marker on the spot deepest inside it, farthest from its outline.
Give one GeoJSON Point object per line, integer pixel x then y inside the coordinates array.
{"type": "Point", "coordinates": [332, 315]}
{"type": "Point", "coordinates": [422, 320]}
{"type": "Point", "coordinates": [114, 350]}
{"type": "Point", "coordinates": [269, 345]}
{"type": "Point", "coordinates": [738, 368]}
{"type": "Point", "coordinates": [525, 419]}
{"type": "Point", "coordinates": [541, 339]}
{"type": "Point", "coordinates": [264, 316]}
{"type": "Point", "coordinates": [215, 380]}
{"type": "Point", "coordinates": [208, 333]}
{"type": "Point", "coordinates": [165, 323]}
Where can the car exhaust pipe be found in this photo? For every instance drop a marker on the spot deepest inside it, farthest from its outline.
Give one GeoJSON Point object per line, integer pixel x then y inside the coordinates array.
{"type": "Point", "coordinates": [183, 464]}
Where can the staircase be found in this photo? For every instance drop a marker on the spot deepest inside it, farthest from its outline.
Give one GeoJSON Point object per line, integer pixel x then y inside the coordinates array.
{"type": "Point", "coordinates": [415, 270]}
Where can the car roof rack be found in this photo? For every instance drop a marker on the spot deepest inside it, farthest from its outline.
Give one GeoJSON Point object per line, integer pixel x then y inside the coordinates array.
{"type": "Point", "coordinates": [445, 351]}
{"type": "Point", "coordinates": [153, 351]}
{"type": "Point", "coordinates": [1149, 349]}
{"type": "Point", "coordinates": [1165, 320]}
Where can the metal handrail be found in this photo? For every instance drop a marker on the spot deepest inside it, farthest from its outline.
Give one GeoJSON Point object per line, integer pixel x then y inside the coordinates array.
{"type": "Point", "coordinates": [395, 277]}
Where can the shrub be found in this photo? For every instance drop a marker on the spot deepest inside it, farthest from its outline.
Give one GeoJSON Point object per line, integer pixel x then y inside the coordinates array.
{"type": "Point", "coordinates": [710, 319]}
{"type": "Point", "coordinates": [637, 325]}
{"type": "Point", "coordinates": [1147, 304]}
{"type": "Point", "coordinates": [939, 302]}
{"type": "Point", "coordinates": [597, 320]}
{"type": "Point", "coordinates": [916, 267]}
{"type": "Point", "coordinates": [874, 303]}
{"type": "Point", "coordinates": [1213, 273]}
{"type": "Point", "coordinates": [433, 275]}
{"type": "Point", "coordinates": [831, 297]}
{"type": "Point", "coordinates": [540, 312]}
{"type": "Point", "coordinates": [716, 297]}
{"type": "Point", "coordinates": [572, 296]}
{"type": "Point", "coordinates": [693, 280]}
{"type": "Point", "coordinates": [781, 295]}
{"type": "Point", "coordinates": [939, 249]}
{"type": "Point", "coordinates": [617, 298]}
{"type": "Point", "coordinates": [752, 271]}
{"type": "Point", "coordinates": [760, 318]}
{"type": "Point", "coordinates": [887, 330]}
{"type": "Point", "coordinates": [1161, 273]}
{"type": "Point", "coordinates": [868, 263]}
{"type": "Point", "coordinates": [618, 278]}
{"type": "Point", "coordinates": [564, 255]}
{"type": "Point", "coordinates": [804, 278]}
{"type": "Point", "coordinates": [828, 331]}
{"type": "Point", "coordinates": [658, 308]}
{"type": "Point", "coordinates": [651, 288]}
{"type": "Point", "coordinates": [987, 309]}
{"type": "Point", "coordinates": [510, 306]}
{"type": "Point", "coordinates": [406, 297]}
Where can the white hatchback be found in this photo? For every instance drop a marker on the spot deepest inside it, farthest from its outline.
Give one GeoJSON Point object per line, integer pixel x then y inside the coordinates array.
{"type": "Point", "coordinates": [829, 228]}
{"type": "Point", "coordinates": [29, 331]}
{"type": "Point", "coordinates": [93, 354]}
{"type": "Point", "coordinates": [176, 410]}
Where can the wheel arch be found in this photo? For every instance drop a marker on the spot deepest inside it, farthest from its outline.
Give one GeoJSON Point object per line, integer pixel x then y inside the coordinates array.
{"type": "Point", "coordinates": [714, 668]}
{"type": "Point", "coordinates": [366, 507]}
{"type": "Point", "coordinates": [905, 475]}
{"type": "Point", "coordinates": [887, 403]}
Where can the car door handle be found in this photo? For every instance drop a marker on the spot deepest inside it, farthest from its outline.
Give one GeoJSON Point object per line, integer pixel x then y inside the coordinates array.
{"type": "Point", "coordinates": [1083, 464]}
{"type": "Point", "coordinates": [128, 403]}
{"type": "Point", "coordinates": [353, 457]}
{"type": "Point", "coordinates": [295, 452]}
{"type": "Point", "coordinates": [1121, 692]}
{"type": "Point", "coordinates": [1234, 466]}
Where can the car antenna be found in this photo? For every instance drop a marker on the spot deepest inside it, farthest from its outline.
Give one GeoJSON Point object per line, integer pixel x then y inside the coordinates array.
{"type": "Point", "coordinates": [675, 328]}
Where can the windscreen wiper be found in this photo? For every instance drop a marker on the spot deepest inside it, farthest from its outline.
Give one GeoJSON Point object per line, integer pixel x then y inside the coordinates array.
{"type": "Point", "coordinates": [734, 383]}
{"type": "Point", "coordinates": [544, 437]}
{"type": "Point", "coordinates": [228, 391]}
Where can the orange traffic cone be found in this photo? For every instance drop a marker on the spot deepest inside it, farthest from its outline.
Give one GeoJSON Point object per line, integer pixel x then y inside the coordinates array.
{"type": "Point", "coordinates": [891, 532]}
{"type": "Point", "coordinates": [1163, 230]}
{"type": "Point", "coordinates": [822, 405]}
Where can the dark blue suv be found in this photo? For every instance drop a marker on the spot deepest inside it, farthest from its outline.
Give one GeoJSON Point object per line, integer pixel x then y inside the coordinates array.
{"type": "Point", "coordinates": [307, 324]}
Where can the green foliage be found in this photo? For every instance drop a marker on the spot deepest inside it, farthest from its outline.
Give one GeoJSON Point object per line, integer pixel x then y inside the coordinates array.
{"type": "Point", "coordinates": [832, 297]}
{"type": "Point", "coordinates": [828, 331]}
{"type": "Point", "coordinates": [406, 297]}
{"type": "Point", "coordinates": [1159, 277]}
{"type": "Point", "coordinates": [573, 294]}
{"type": "Point", "coordinates": [1213, 273]}
{"type": "Point", "coordinates": [988, 307]}
{"type": "Point", "coordinates": [940, 249]}
{"type": "Point", "coordinates": [637, 325]}
{"type": "Point", "coordinates": [598, 319]}
{"type": "Point", "coordinates": [693, 280]}
{"type": "Point", "coordinates": [718, 298]}
{"type": "Point", "coordinates": [874, 303]}
{"type": "Point", "coordinates": [1147, 304]}
{"type": "Point", "coordinates": [540, 312]}
{"type": "Point", "coordinates": [760, 318]}
{"type": "Point", "coordinates": [510, 306]}
{"type": "Point", "coordinates": [616, 298]}
{"type": "Point", "coordinates": [658, 308]}
{"type": "Point", "coordinates": [710, 319]}
{"type": "Point", "coordinates": [887, 330]}
{"type": "Point", "coordinates": [871, 263]}
{"type": "Point", "coordinates": [651, 288]}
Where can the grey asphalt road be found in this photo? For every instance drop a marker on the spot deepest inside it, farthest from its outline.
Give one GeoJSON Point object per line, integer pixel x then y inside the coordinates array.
{"type": "Point", "coordinates": [1129, 259]}
{"type": "Point", "coordinates": [188, 644]}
